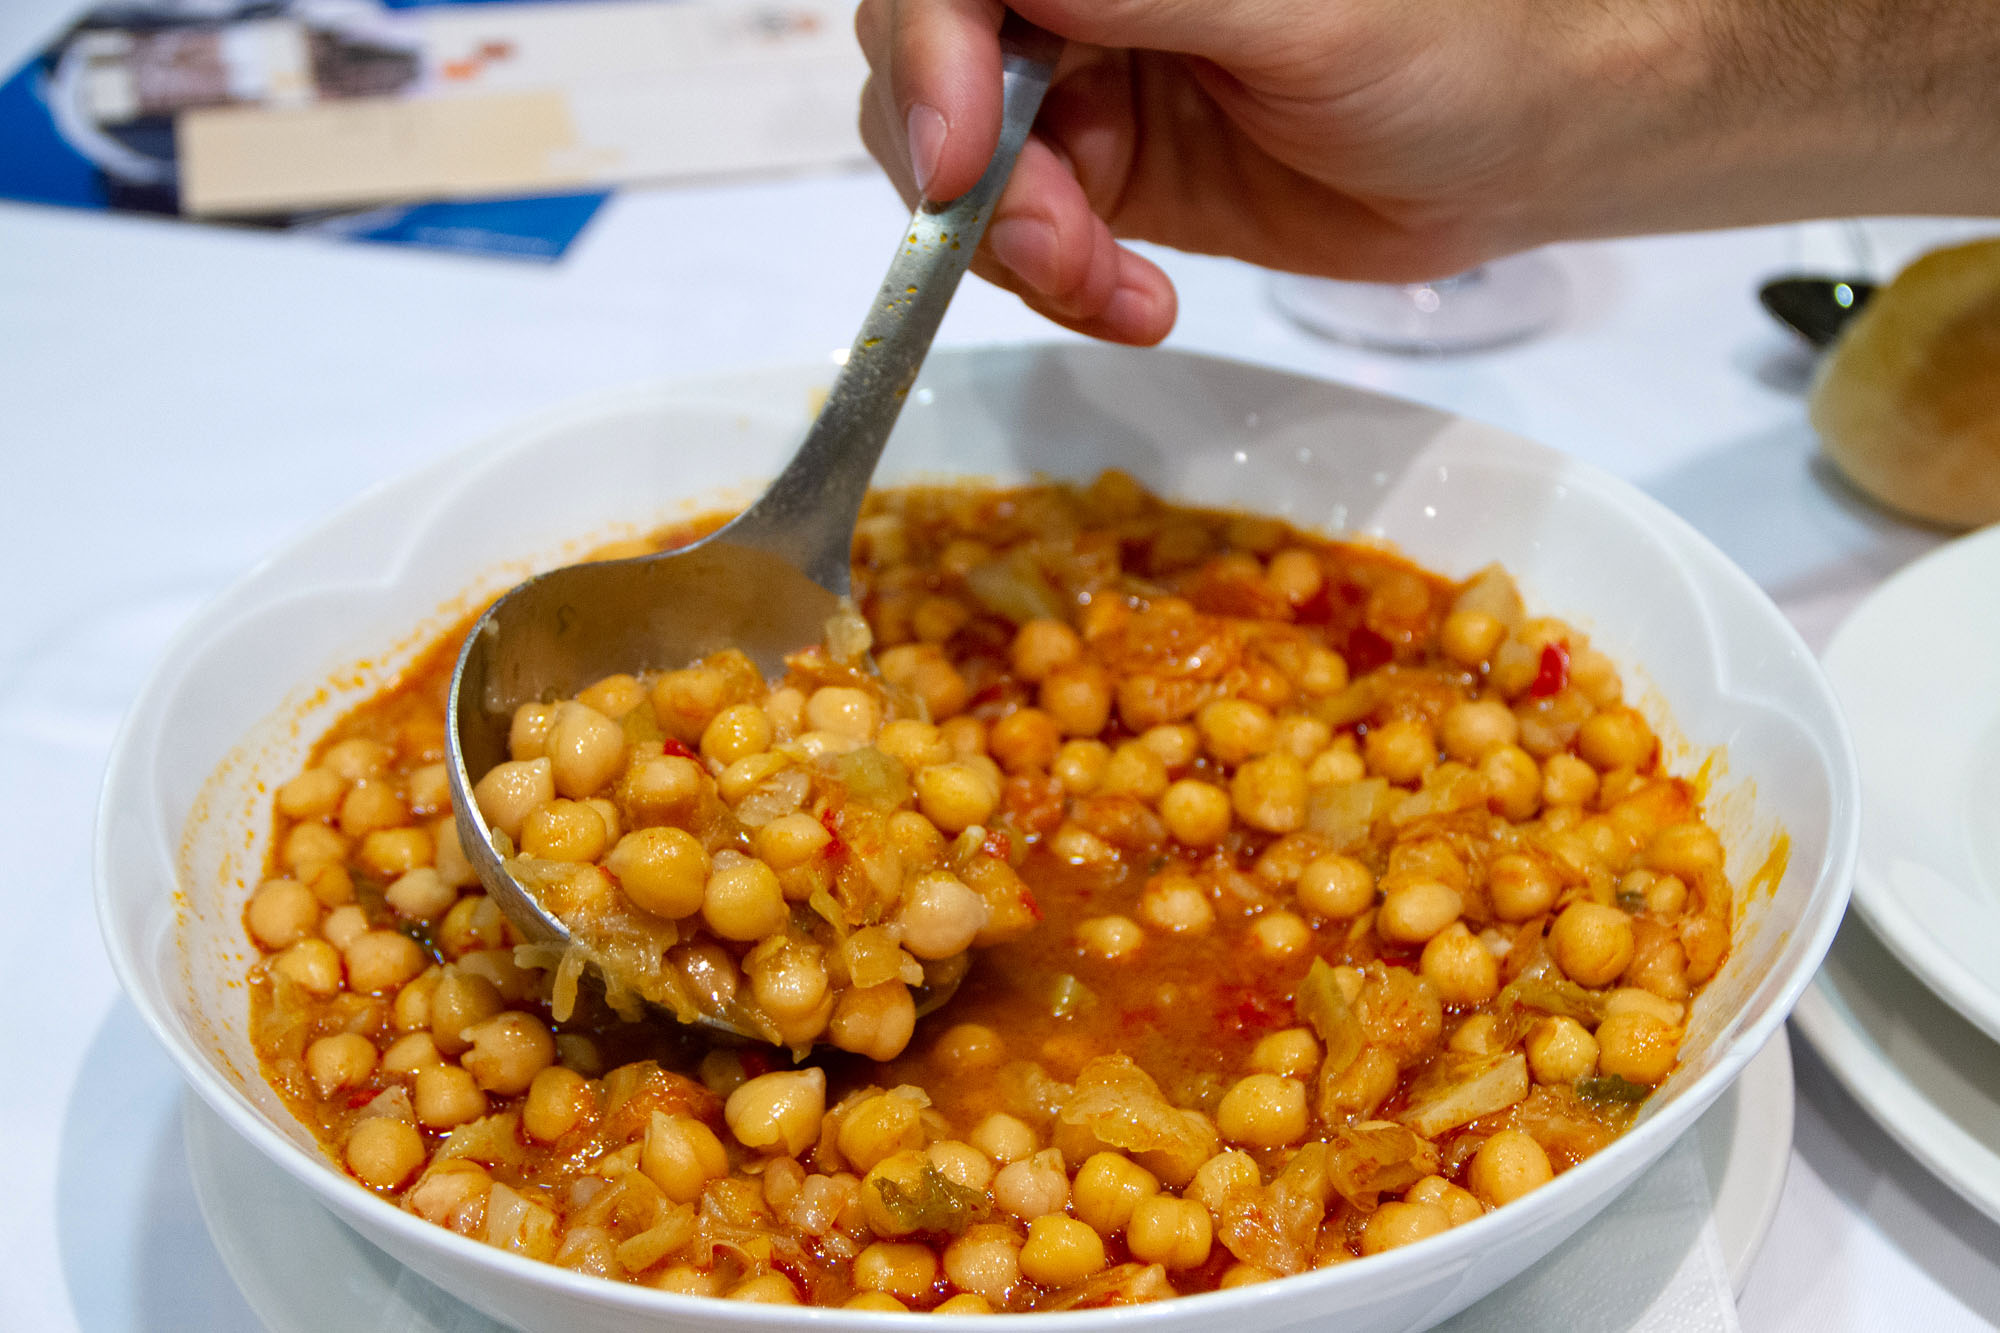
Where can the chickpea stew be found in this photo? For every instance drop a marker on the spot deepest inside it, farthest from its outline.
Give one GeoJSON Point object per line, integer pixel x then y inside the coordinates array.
{"type": "Point", "coordinates": [1308, 905]}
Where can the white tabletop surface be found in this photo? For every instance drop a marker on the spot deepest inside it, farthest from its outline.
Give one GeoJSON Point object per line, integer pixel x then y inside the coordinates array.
{"type": "Point", "coordinates": [176, 400]}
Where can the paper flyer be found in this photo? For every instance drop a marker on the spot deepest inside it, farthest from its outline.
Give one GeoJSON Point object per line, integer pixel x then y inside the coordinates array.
{"type": "Point", "coordinates": [492, 127]}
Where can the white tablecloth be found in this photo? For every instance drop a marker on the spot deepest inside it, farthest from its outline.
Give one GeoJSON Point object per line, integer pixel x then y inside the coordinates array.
{"type": "Point", "coordinates": [176, 400]}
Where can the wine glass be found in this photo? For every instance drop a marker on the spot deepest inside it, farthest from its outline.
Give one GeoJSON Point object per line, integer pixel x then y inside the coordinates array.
{"type": "Point", "coordinates": [1499, 302]}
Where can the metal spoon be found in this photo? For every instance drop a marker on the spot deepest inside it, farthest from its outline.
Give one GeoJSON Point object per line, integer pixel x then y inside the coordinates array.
{"type": "Point", "coordinates": [1815, 308]}
{"type": "Point", "coordinates": [767, 582]}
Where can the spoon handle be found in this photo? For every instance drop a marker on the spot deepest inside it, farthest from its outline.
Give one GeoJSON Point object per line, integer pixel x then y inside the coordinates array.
{"type": "Point", "coordinates": [808, 514]}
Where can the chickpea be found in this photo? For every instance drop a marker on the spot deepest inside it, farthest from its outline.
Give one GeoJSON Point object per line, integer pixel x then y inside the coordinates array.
{"type": "Point", "coordinates": [461, 1001]}
{"type": "Point", "coordinates": [965, 1303]}
{"type": "Point", "coordinates": [1513, 782]}
{"type": "Point", "coordinates": [1176, 743]}
{"type": "Point", "coordinates": [1174, 1233]}
{"type": "Point", "coordinates": [1459, 1205]}
{"type": "Point", "coordinates": [1336, 886]}
{"type": "Point", "coordinates": [1477, 1035]}
{"type": "Point", "coordinates": [1042, 647]}
{"type": "Point", "coordinates": [1280, 934]}
{"type": "Point", "coordinates": [961, 1164]}
{"type": "Point", "coordinates": [508, 1051]}
{"type": "Point", "coordinates": [446, 1097]}
{"type": "Point", "coordinates": [844, 711]}
{"type": "Point", "coordinates": [768, 1288]}
{"type": "Point", "coordinates": [420, 895]}
{"type": "Point", "coordinates": [1263, 1111]}
{"type": "Point", "coordinates": [387, 853]}
{"type": "Point", "coordinates": [357, 759]}
{"type": "Point", "coordinates": [1080, 766]}
{"type": "Point", "coordinates": [1197, 813]}
{"type": "Point", "coordinates": [664, 785]}
{"type": "Point", "coordinates": [778, 1110]}
{"type": "Point", "coordinates": [663, 870]}
{"type": "Point", "coordinates": [512, 791]}
{"type": "Point", "coordinates": [940, 916]}
{"type": "Point", "coordinates": [1177, 904]}
{"type": "Point", "coordinates": [344, 1060]}
{"type": "Point", "coordinates": [409, 1053]}
{"type": "Point", "coordinates": [986, 1261]}
{"type": "Point", "coordinates": [880, 1301]}
{"type": "Point", "coordinates": [369, 806]}
{"type": "Point", "coordinates": [1235, 730]}
{"type": "Point", "coordinates": [681, 1155]}
{"type": "Point", "coordinates": [313, 794]}
{"type": "Point", "coordinates": [558, 1101]}
{"type": "Point", "coordinates": [310, 848]}
{"type": "Point", "coordinates": [875, 1021]}
{"type": "Point", "coordinates": [899, 1268]}
{"type": "Point", "coordinates": [791, 987]}
{"type": "Point", "coordinates": [585, 750]}
{"type": "Point", "coordinates": [1520, 887]}
{"type": "Point", "coordinates": [1688, 850]}
{"type": "Point", "coordinates": [1415, 910]}
{"type": "Point", "coordinates": [1061, 1251]}
{"type": "Point", "coordinates": [1469, 637]}
{"type": "Point", "coordinates": [687, 1280]}
{"type": "Point", "coordinates": [1615, 738]}
{"type": "Point", "coordinates": [966, 1048]}
{"type": "Point", "coordinates": [1399, 1223]}
{"type": "Point", "coordinates": [1108, 1187]}
{"type": "Point", "coordinates": [1561, 1050]}
{"type": "Point", "coordinates": [281, 913]}
{"type": "Point", "coordinates": [1507, 1166]}
{"type": "Point", "coordinates": [1005, 1138]}
{"type": "Point", "coordinates": [742, 901]}
{"type": "Point", "coordinates": [1269, 793]}
{"type": "Point", "coordinates": [1295, 575]}
{"type": "Point", "coordinates": [1027, 739]}
{"type": "Point", "coordinates": [615, 695]}
{"type": "Point", "coordinates": [737, 732]}
{"type": "Point", "coordinates": [1110, 937]}
{"type": "Point", "coordinates": [1567, 780]}
{"type": "Point", "coordinates": [564, 831]}
{"type": "Point", "coordinates": [1032, 1187]}
{"type": "Point", "coordinates": [1290, 1052]}
{"type": "Point", "coordinates": [384, 1152]}
{"type": "Point", "coordinates": [1134, 771]}
{"type": "Point", "coordinates": [1078, 697]}
{"type": "Point", "coordinates": [1474, 729]}
{"type": "Point", "coordinates": [1244, 1275]}
{"type": "Point", "coordinates": [956, 795]}
{"type": "Point", "coordinates": [1401, 751]}
{"type": "Point", "coordinates": [1638, 1046]}
{"type": "Point", "coordinates": [1463, 969]}
{"type": "Point", "coordinates": [1592, 943]}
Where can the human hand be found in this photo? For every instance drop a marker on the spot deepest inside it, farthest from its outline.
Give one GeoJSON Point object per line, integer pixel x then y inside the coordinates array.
{"type": "Point", "coordinates": [1400, 140]}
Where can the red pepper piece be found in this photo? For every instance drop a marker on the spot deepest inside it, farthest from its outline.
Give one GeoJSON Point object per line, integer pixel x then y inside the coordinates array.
{"type": "Point", "coordinates": [998, 844]}
{"type": "Point", "coordinates": [1552, 675]}
{"type": "Point", "coordinates": [674, 747]}
{"type": "Point", "coordinates": [1367, 650]}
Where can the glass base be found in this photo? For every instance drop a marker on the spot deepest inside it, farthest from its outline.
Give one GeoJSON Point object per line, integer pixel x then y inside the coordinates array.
{"type": "Point", "coordinates": [1497, 303]}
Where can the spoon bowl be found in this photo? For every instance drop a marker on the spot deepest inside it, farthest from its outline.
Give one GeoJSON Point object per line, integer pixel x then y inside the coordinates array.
{"type": "Point", "coordinates": [768, 582]}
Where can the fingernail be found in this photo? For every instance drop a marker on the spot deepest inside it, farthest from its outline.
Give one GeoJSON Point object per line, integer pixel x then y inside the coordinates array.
{"type": "Point", "coordinates": [1027, 246]}
{"type": "Point", "coordinates": [926, 131]}
{"type": "Point", "coordinates": [1132, 308]}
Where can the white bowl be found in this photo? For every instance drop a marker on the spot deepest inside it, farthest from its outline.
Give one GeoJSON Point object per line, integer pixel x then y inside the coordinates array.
{"type": "Point", "coordinates": [239, 698]}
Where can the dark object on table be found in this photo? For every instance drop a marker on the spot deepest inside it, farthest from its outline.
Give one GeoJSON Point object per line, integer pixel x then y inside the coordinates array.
{"type": "Point", "coordinates": [1816, 309]}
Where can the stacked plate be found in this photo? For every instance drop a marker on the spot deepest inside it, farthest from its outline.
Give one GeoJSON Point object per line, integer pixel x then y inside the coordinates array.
{"type": "Point", "coordinates": [1906, 1010]}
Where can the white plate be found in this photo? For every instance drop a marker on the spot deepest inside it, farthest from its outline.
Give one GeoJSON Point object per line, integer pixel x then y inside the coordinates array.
{"type": "Point", "coordinates": [298, 1266]}
{"type": "Point", "coordinates": [1929, 1077]}
{"type": "Point", "coordinates": [1914, 668]}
